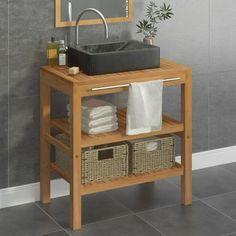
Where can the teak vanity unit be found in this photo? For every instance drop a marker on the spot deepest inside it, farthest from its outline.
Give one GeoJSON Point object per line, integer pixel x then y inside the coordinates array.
{"type": "Point", "coordinates": [82, 85]}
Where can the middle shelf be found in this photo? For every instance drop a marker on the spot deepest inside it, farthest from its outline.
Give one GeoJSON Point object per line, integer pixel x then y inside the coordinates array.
{"type": "Point", "coordinates": [169, 126]}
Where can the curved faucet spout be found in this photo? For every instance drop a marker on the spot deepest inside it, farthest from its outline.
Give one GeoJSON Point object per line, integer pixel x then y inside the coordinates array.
{"type": "Point", "coordinates": [99, 14]}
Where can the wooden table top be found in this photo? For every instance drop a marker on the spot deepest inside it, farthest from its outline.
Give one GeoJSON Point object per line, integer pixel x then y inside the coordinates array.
{"type": "Point", "coordinates": [167, 68]}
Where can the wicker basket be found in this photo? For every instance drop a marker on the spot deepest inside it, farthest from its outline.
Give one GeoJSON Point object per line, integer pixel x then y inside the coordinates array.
{"type": "Point", "coordinates": [99, 163]}
{"type": "Point", "coordinates": [147, 155]}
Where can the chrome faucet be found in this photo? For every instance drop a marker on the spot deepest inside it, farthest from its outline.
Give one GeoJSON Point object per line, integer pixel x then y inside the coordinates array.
{"type": "Point", "coordinates": [99, 14]}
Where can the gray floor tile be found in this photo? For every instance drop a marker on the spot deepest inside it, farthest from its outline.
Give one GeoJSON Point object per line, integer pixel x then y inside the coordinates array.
{"type": "Point", "coordinates": [211, 181]}
{"type": "Point", "coordinates": [25, 220]}
{"type": "Point", "coordinates": [124, 226]}
{"type": "Point", "coordinates": [95, 208]}
{"type": "Point", "coordinates": [196, 220]}
{"type": "Point", "coordinates": [147, 196]}
{"type": "Point", "coordinates": [231, 167]}
{"type": "Point", "coordinates": [59, 233]}
{"type": "Point", "coordinates": [225, 203]}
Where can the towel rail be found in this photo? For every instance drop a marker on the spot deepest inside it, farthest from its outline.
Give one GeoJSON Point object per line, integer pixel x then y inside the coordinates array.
{"type": "Point", "coordinates": [127, 85]}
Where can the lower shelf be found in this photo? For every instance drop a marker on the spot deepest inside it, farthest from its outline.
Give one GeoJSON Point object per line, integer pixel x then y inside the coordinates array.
{"type": "Point", "coordinates": [130, 180]}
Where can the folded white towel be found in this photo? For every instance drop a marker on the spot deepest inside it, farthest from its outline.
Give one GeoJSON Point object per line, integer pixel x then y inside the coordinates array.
{"type": "Point", "coordinates": [144, 113]}
{"type": "Point", "coordinates": [99, 122]}
{"type": "Point", "coordinates": [96, 117]}
{"type": "Point", "coordinates": [94, 108]}
{"type": "Point", "coordinates": [100, 129]}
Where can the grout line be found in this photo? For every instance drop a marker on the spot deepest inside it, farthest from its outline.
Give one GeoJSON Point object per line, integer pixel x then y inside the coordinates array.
{"type": "Point", "coordinates": [178, 186]}
{"type": "Point", "coordinates": [107, 220]}
{"type": "Point", "coordinates": [8, 93]}
{"type": "Point", "coordinates": [155, 208]}
{"type": "Point", "coordinates": [151, 225]}
{"type": "Point", "coordinates": [92, 223]}
{"type": "Point", "coordinates": [96, 222]}
{"type": "Point", "coordinates": [62, 229]}
{"type": "Point", "coordinates": [158, 208]}
{"type": "Point", "coordinates": [57, 231]}
{"type": "Point", "coordinates": [209, 77]}
{"type": "Point", "coordinates": [209, 35]}
{"type": "Point", "coordinates": [217, 195]}
{"type": "Point", "coordinates": [120, 203]}
{"type": "Point", "coordinates": [136, 214]}
{"type": "Point", "coordinates": [228, 170]}
{"type": "Point", "coordinates": [222, 213]}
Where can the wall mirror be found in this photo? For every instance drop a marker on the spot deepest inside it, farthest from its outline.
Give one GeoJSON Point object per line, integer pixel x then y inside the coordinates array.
{"type": "Point", "coordinates": [66, 11]}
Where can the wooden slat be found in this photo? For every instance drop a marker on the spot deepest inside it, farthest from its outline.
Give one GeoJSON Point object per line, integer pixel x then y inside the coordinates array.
{"type": "Point", "coordinates": [169, 126]}
{"type": "Point", "coordinates": [58, 144]}
{"type": "Point", "coordinates": [132, 180]}
{"type": "Point", "coordinates": [76, 163]}
{"type": "Point", "coordinates": [186, 140]}
{"type": "Point", "coordinates": [45, 111]}
{"type": "Point", "coordinates": [62, 125]}
{"type": "Point", "coordinates": [60, 172]}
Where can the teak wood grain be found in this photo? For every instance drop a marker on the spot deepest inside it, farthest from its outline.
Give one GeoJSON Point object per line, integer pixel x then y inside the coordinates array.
{"type": "Point", "coordinates": [79, 86]}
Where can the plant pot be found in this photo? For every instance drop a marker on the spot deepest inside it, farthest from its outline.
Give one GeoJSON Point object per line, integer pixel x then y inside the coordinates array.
{"type": "Point", "coordinates": [148, 40]}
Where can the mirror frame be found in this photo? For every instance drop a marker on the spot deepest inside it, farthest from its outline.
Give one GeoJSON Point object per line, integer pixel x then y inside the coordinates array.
{"type": "Point", "coordinates": [60, 23]}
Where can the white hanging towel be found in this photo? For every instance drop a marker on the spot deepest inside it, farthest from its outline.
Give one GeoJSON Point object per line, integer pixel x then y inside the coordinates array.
{"type": "Point", "coordinates": [144, 112]}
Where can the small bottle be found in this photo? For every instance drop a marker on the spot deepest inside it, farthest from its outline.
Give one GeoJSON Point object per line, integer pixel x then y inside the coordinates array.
{"type": "Point", "coordinates": [62, 53]}
{"type": "Point", "coordinates": [52, 52]}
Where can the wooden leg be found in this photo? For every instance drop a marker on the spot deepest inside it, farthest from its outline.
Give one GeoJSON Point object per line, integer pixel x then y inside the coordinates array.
{"type": "Point", "coordinates": [75, 184]}
{"type": "Point", "coordinates": [186, 141]}
{"type": "Point", "coordinates": [45, 111]}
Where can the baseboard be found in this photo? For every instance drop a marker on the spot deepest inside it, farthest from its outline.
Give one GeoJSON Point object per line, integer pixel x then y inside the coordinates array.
{"type": "Point", "coordinates": [30, 192]}
{"type": "Point", "coordinates": [212, 158]}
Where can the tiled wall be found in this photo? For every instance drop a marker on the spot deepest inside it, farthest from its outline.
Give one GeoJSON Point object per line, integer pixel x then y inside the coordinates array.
{"type": "Point", "coordinates": [201, 35]}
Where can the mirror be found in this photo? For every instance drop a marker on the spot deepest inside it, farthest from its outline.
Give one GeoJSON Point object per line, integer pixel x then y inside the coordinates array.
{"type": "Point", "coordinates": [113, 10]}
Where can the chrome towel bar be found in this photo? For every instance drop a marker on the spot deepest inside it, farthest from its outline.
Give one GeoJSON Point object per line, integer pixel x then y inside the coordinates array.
{"type": "Point", "coordinates": [127, 85]}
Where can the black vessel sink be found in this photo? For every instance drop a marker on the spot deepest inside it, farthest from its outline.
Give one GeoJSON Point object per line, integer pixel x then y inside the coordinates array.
{"type": "Point", "coordinates": [114, 57]}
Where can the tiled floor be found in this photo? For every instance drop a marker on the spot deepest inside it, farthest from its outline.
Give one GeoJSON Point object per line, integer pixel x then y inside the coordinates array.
{"type": "Point", "coordinates": [146, 210]}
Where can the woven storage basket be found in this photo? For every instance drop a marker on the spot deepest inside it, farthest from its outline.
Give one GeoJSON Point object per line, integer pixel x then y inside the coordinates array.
{"type": "Point", "coordinates": [147, 155]}
{"type": "Point", "coordinates": [99, 163]}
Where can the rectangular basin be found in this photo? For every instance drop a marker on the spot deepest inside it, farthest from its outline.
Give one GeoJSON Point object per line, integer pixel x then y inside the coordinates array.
{"type": "Point", "coordinates": [114, 57]}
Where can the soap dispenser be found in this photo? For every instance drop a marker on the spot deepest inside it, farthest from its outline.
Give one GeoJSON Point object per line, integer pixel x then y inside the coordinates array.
{"type": "Point", "coordinates": [52, 52]}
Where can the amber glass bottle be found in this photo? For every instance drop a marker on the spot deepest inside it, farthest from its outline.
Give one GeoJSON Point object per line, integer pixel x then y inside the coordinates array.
{"type": "Point", "coordinates": [52, 52]}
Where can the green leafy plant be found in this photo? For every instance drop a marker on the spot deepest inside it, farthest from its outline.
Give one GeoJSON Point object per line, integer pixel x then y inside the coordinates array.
{"type": "Point", "coordinates": [155, 14]}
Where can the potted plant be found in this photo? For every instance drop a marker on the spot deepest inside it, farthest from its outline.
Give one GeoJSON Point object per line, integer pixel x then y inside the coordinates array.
{"type": "Point", "coordinates": [155, 14]}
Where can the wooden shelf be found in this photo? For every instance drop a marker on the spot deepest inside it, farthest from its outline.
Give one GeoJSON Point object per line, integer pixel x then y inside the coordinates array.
{"type": "Point", "coordinates": [125, 181]}
{"type": "Point", "coordinates": [132, 180]}
{"type": "Point", "coordinates": [169, 126]}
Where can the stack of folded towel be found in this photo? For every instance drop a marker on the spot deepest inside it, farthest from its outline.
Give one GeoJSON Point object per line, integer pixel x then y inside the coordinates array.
{"type": "Point", "coordinates": [98, 116]}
